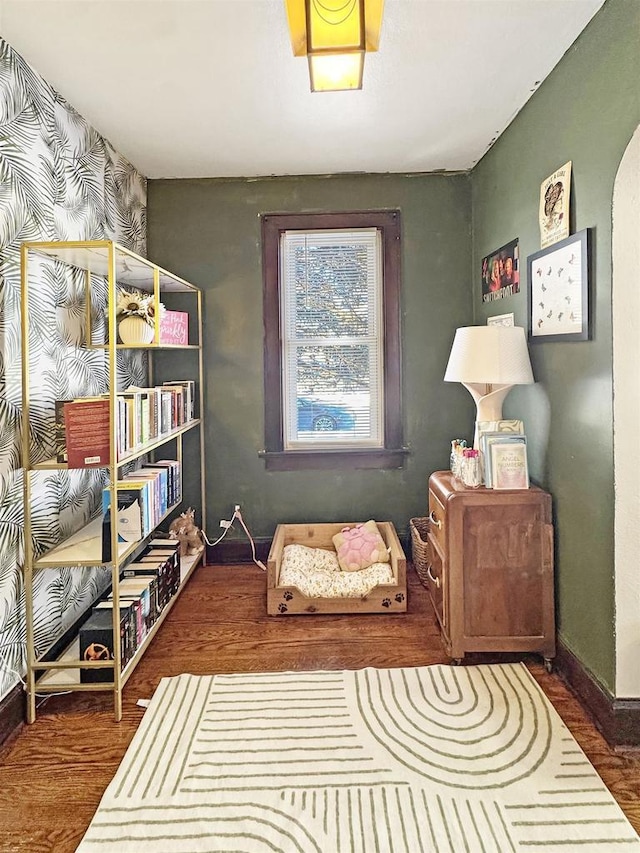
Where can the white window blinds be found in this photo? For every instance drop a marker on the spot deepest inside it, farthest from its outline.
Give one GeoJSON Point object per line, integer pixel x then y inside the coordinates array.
{"type": "Point", "coordinates": [332, 338]}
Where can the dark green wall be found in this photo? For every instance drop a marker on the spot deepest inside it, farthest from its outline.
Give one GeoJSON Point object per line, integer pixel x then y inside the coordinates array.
{"type": "Point", "coordinates": [586, 111]}
{"type": "Point", "coordinates": [208, 231]}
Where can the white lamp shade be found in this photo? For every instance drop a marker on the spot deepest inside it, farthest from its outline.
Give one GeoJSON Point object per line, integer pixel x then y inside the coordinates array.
{"type": "Point", "coordinates": [493, 355]}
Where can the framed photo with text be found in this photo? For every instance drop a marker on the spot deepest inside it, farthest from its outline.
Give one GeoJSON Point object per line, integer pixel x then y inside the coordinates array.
{"type": "Point", "coordinates": [559, 290]}
{"type": "Point", "coordinates": [501, 272]}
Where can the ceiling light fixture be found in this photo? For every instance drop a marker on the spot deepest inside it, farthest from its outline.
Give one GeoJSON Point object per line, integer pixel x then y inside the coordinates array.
{"type": "Point", "coordinates": [334, 35]}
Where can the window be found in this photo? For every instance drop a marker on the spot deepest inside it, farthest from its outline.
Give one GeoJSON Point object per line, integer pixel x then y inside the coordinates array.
{"type": "Point", "coordinates": [332, 354]}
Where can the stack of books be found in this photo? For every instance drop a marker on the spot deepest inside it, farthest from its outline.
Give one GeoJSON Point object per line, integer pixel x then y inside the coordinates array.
{"type": "Point", "coordinates": [503, 448]}
{"type": "Point", "coordinates": [144, 591]}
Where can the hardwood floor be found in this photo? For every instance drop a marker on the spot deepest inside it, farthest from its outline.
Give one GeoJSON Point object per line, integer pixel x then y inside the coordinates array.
{"type": "Point", "coordinates": [53, 774]}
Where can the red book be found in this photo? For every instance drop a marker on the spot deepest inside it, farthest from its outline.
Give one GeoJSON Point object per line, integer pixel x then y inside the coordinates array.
{"type": "Point", "coordinates": [86, 425]}
{"type": "Point", "coordinates": [174, 328]}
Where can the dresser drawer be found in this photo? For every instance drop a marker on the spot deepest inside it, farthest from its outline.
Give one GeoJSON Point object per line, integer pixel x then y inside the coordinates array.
{"type": "Point", "coordinates": [437, 519]}
{"type": "Point", "coordinates": [435, 582]}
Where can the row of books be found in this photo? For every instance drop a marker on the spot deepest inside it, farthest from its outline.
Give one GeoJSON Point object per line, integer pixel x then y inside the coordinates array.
{"type": "Point", "coordinates": [144, 591]}
{"type": "Point", "coordinates": [145, 414]}
{"type": "Point", "coordinates": [83, 437]}
{"type": "Point", "coordinates": [143, 498]}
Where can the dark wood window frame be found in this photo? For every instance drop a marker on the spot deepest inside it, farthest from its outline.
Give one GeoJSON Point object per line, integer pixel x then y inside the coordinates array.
{"type": "Point", "coordinates": [393, 453]}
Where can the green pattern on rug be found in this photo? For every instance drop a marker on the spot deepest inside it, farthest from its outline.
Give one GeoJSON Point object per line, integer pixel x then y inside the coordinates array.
{"type": "Point", "coordinates": [444, 759]}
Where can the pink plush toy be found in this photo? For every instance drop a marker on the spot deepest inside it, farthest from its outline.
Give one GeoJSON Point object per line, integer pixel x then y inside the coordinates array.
{"type": "Point", "coordinates": [360, 546]}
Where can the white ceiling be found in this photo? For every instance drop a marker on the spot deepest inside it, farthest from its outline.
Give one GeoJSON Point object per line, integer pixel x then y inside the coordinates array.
{"type": "Point", "coordinates": [210, 88]}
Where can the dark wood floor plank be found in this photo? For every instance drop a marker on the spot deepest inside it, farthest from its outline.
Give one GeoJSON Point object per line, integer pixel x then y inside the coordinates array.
{"type": "Point", "coordinates": [53, 774]}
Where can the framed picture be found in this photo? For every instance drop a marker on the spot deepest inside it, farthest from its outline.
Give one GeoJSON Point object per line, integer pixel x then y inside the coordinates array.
{"type": "Point", "coordinates": [501, 272]}
{"type": "Point", "coordinates": [500, 320]}
{"type": "Point", "coordinates": [554, 206]}
{"type": "Point", "coordinates": [559, 290]}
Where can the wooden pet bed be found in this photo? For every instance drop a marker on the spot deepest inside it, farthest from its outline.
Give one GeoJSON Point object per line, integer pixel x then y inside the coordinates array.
{"type": "Point", "coordinates": [286, 600]}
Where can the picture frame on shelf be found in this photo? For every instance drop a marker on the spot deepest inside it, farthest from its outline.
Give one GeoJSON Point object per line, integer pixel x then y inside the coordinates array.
{"type": "Point", "coordinates": [501, 320]}
{"type": "Point", "coordinates": [559, 290]}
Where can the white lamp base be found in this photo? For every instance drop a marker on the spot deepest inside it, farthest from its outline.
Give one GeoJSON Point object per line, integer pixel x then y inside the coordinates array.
{"type": "Point", "coordinates": [488, 403]}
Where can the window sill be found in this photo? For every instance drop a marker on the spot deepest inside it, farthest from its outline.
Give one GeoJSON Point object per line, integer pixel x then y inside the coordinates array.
{"type": "Point", "coordinates": [326, 460]}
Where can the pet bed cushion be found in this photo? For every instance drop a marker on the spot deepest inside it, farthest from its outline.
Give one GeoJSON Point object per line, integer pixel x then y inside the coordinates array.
{"type": "Point", "coordinates": [316, 573]}
{"type": "Point", "coordinates": [360, 546]}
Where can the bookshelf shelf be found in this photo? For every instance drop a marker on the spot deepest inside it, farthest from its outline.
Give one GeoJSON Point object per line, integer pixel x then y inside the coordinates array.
{"type": "Point", "coordinates": [149, 447]}
{"type": "Point", "coordinates": [84, 547]}
{"type": "Point", "coordinates": [105, 268]}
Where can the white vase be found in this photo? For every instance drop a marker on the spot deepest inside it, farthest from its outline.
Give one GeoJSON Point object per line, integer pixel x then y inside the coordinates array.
{"type": "Point", "coordinates": [135, 330]}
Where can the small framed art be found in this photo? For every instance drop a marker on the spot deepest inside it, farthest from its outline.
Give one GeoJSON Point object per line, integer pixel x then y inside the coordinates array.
{"type": "Point", "coordinates": [501, 320]}
{"type": "Point", "coordinates": [559, 290]}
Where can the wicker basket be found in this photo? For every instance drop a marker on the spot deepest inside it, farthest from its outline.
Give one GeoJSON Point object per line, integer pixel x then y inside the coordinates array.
{"type": "Point", "coordinates": [420, 548]}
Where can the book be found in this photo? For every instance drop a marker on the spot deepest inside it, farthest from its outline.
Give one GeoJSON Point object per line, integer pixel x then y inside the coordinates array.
{"type": "Point", "coordinates": [96, 641]}
{"type": "Point", "coordinates": [509, 465]}
{"type": "Point", "coordinates": [136, 591]}
{"type": "Point", "coordinates": [487, 439]}
{"type": "Point", "coordinates": [140, 477]}
{"type": "Point", "coordinates": [133, 402]}
{"type": "Point", "coordinates": [176, 395]}
{"type": "Point", "coordinates": [162, 473]}
{"type": "Point", "coordinates": [166, 407]}
{"type": "Point", "coordinates": [87, 432]}
{"type": "Point", "coordinates": [158, 573]}
{"type": "Point", "coordinates": [153, 577]}
{"type": "Point", "coordinates": [174, 328]}
{"type": "Point", "coordinates": [175, 478]}
{"type": "Point", "coordinates": [189, 396]}
{"type": "Point", "coordinates": [131, 516]}
{"type": "Point", "coordinates": [512, 425]}
{"type": "Point", "coordinates": [128, 642]}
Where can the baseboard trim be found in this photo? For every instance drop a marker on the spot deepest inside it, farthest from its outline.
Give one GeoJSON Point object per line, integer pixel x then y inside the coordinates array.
{"type": "Point", "coordinates": [12, 713]}
{"type": "Point", "coordinates": [238, 551]}
{"type": "Point", "coordinates": [617, 719]}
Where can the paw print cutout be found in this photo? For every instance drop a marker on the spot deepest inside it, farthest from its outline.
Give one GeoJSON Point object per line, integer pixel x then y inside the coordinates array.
{"type": "Point", "coordinates": [282, 608]}
{"type": "Point", "coordinates": [386, 602]}
{"type": "Point", "coordinates": [399, 597]}
{"type": "Point", "coordinates": [287, 595]}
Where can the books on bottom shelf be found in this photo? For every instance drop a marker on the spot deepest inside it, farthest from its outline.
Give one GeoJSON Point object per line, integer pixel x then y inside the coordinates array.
{"type": "Point", "coordinates": [501, 469]}
{"type": "Point", "coordinates": [146, 588]}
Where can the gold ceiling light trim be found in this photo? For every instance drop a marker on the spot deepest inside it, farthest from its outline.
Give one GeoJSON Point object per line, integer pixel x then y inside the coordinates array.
{"type": "Point", "coordinates": [334, 35]}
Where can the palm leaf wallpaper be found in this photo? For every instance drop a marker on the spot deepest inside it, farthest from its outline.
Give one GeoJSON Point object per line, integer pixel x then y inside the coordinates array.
{"type": "Point", "coordinates": [59, 180]}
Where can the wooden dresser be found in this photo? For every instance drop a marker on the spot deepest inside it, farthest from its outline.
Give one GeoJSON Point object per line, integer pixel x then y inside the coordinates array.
{"type": "Point", "coordinates": [491, 572]}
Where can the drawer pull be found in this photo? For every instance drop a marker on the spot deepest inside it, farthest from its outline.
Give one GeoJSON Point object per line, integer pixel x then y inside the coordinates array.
{"type": "Point", "coordinates": [436, 581]}
{"type": "Point", "coordinates": [434, 520]}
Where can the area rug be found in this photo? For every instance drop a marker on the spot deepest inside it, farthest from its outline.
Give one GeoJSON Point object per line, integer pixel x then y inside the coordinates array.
{"type": "Point", "coordinates": [438, 758]}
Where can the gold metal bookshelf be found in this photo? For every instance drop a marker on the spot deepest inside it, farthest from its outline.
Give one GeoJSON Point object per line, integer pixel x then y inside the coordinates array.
{"type": "Point", "coordinates": [117, 267]}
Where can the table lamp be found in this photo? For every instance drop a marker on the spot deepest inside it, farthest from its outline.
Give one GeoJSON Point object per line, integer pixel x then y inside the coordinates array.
{"type": "Point", "coordinates": [489, 361]}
